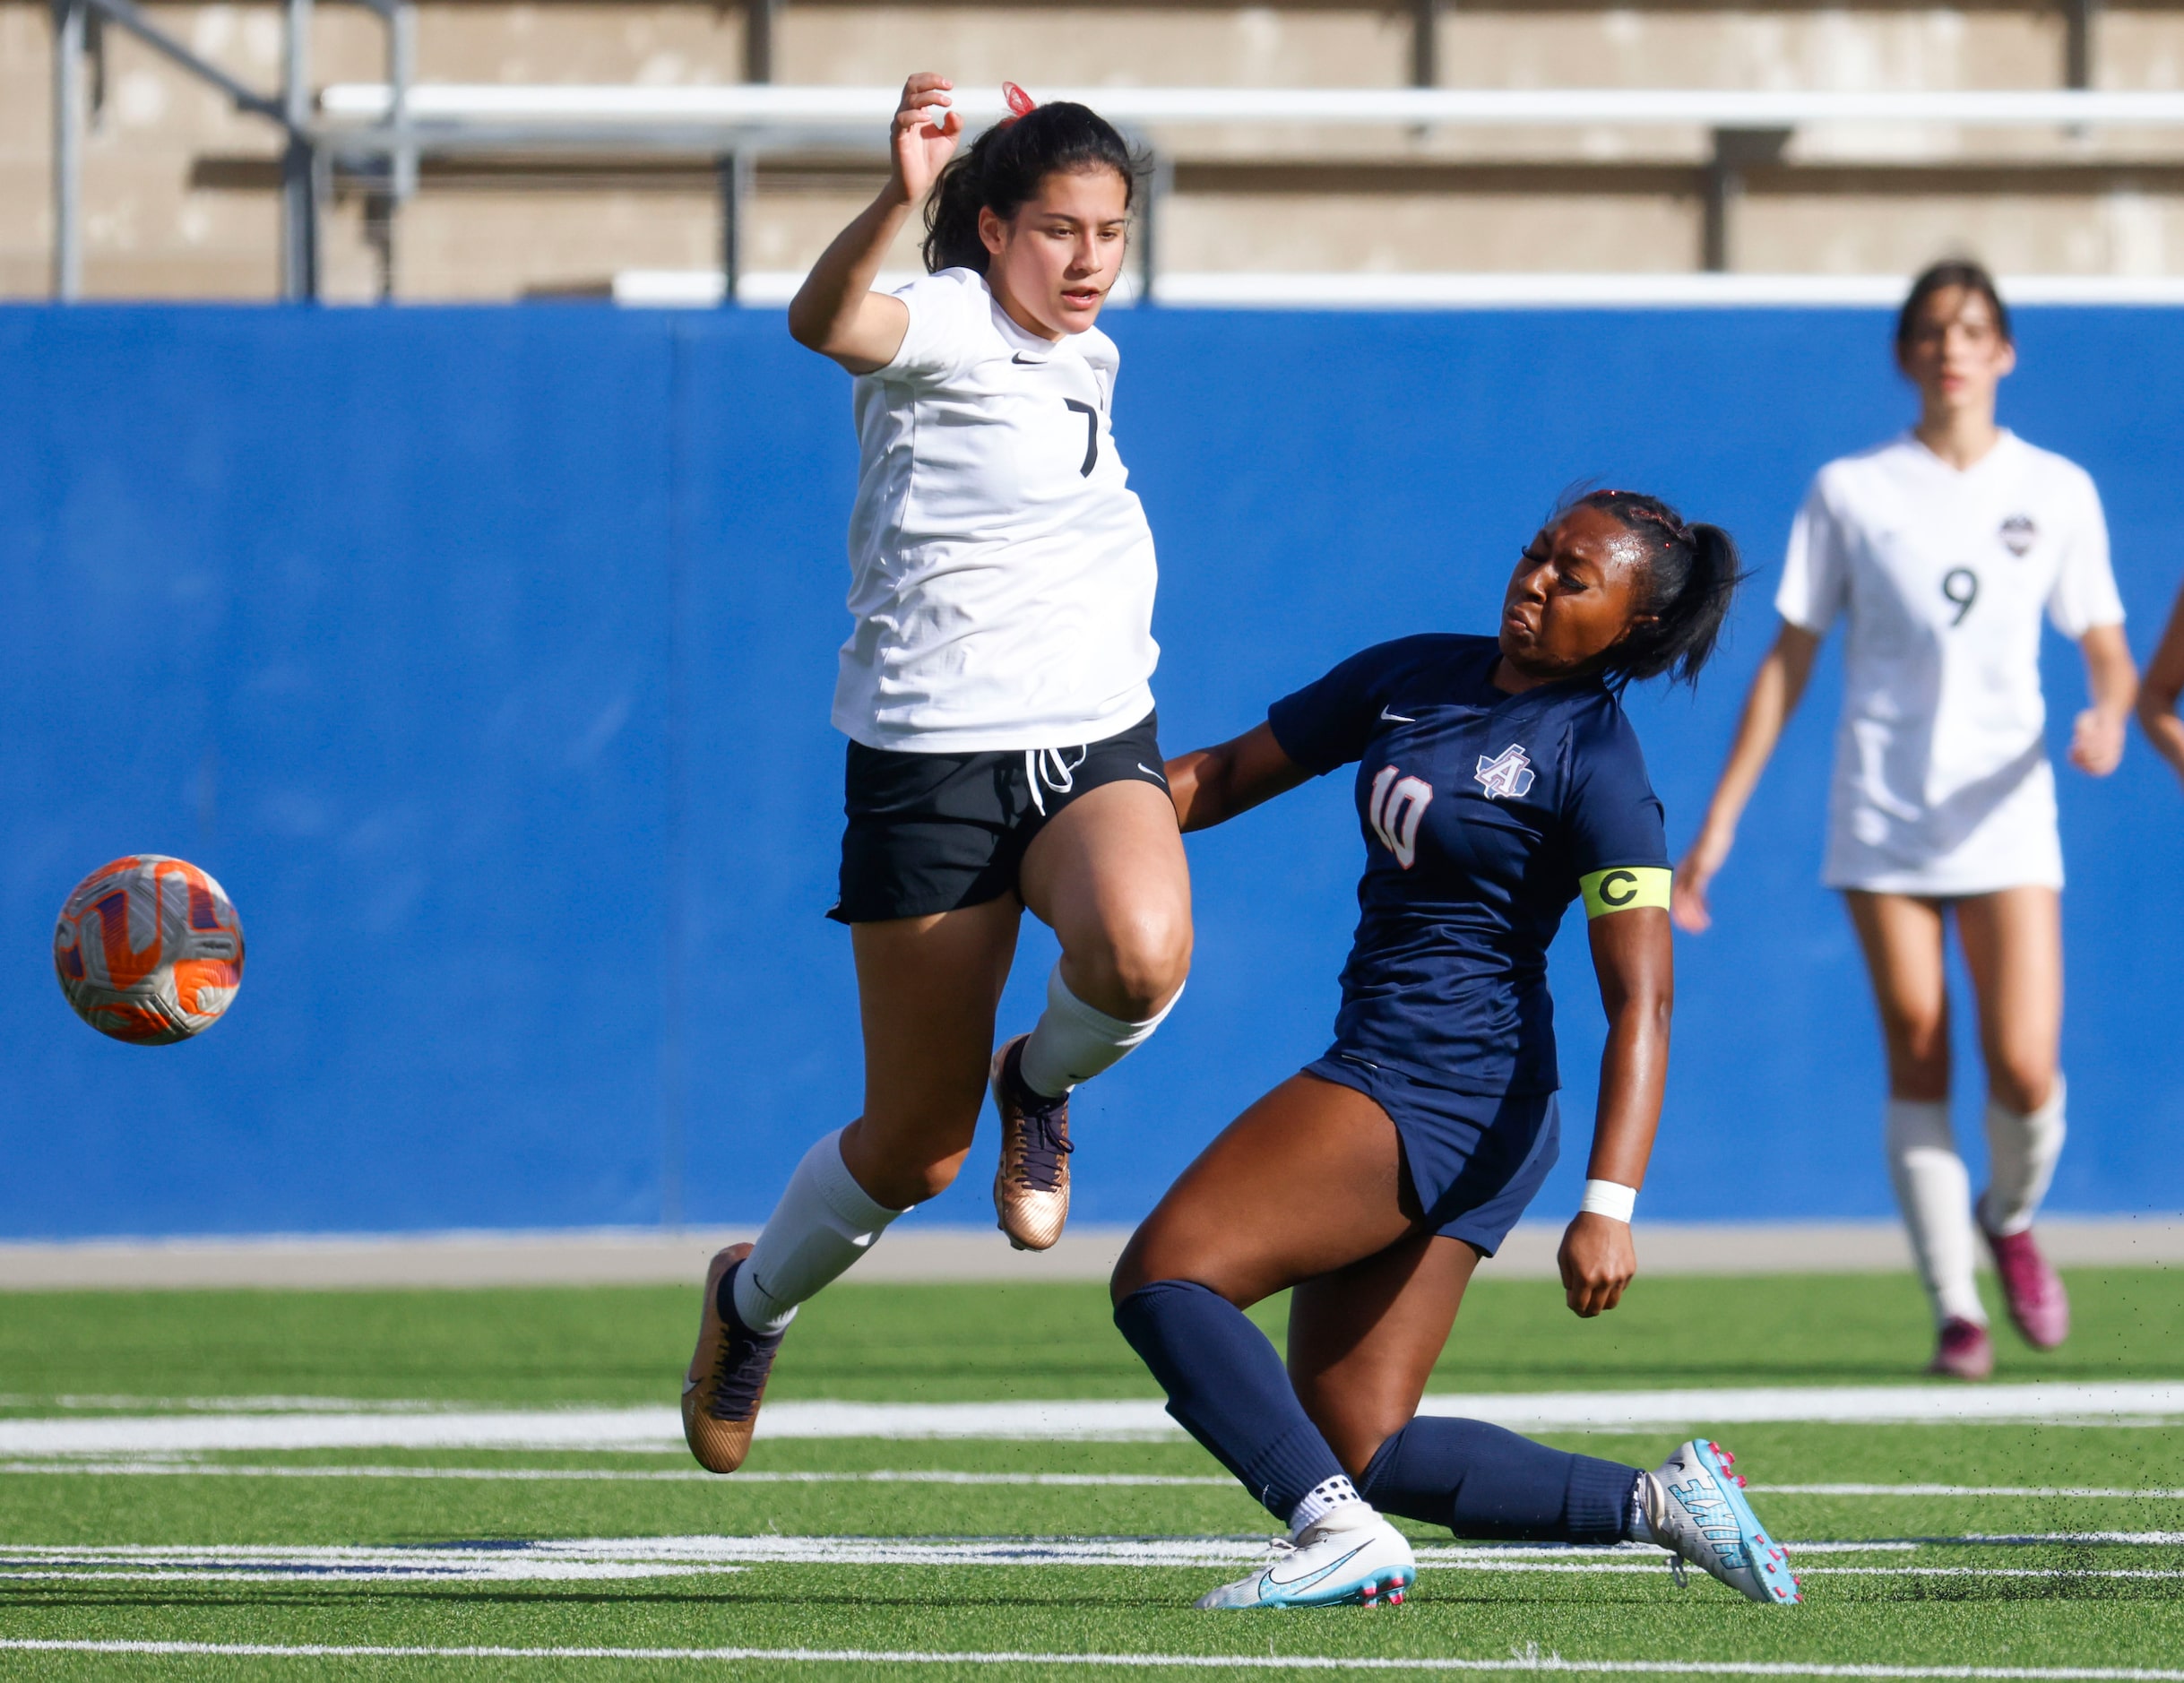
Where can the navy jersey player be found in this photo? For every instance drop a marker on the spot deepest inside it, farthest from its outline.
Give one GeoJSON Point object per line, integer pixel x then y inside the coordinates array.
{"type": "Point", "coordinates": [1499, 783]}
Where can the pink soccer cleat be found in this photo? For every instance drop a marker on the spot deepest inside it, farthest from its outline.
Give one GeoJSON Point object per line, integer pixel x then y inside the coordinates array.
{"type": "Point", "coordinates": [2034, 1291]}
{"type": "Point", "coordinates": [1964, 1352]}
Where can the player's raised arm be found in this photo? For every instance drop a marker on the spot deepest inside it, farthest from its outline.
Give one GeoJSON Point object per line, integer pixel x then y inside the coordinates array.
{"type": "Point", "coordinates": [835, 312]}
{"type": "Point", "coordinates": [2157, 695]}
{"type": "Point", "coordinates": [1774, 696]}
{"type": "Point", "coordinates": [1633, 957]}
{"type": "Point", "coordinates": [1209, 786]}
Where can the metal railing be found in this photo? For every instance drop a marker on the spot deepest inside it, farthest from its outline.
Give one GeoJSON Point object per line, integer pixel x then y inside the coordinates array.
{"type": "Point", "coordinates": [78, 40]}
{"type": "Point", "coordinates": [736, 123]}
{"type": "Point", "coordinates": [579, 112]}
{"type": "Point", "coordinates": [381, 130]}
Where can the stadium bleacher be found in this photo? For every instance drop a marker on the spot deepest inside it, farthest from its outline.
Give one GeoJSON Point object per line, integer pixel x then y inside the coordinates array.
{"type": "Point", "coordinates": [182, 193]}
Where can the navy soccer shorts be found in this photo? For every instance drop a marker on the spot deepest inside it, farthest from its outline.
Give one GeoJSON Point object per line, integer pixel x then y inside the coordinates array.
{"type": "Point", "coordinates": [1475, 1159]}
{"type": "Point", "coordinates": [932, 833]}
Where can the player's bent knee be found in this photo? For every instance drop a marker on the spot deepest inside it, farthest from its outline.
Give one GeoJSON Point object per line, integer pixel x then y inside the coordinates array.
{"type": "Point", "coordinates": [904, 1161]}
{"type": "Point", "coordinates": [2021, 1084]}
{"type": "Point", "coordinates": [1144, 962]}
{"type": "Point", "coordinates": [915, 1183]}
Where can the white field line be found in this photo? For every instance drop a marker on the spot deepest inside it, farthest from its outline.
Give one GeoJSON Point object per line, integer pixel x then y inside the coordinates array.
{"type": "Point", "coordinates": [2098, 1492]}
{"type": "Point", "coordinates": [192, 1468]}
{"type": "Point", "coordinates": [660, 1557]}
{"type": "Point", "coordinates": [236, 1470]}
{"type": "Point", "coordinates": [1525, 1660]}
{"type": "Point", "coordinates": [184, 1467]}
{"type": "Point", "coordinates": [646, 1429]}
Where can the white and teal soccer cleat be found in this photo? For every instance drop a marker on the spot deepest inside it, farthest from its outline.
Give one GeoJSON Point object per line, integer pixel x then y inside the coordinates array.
{"type": "Point", "coordinates": [1697, 1508]}
{"type": "Point", "coordinates": [1351, 1556]}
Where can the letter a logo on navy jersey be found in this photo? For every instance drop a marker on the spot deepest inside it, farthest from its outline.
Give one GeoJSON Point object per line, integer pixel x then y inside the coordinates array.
{"type": "Point", "coordinates": [1397, 805]}
{"type": "Point", "coordinates": [1507, 774]}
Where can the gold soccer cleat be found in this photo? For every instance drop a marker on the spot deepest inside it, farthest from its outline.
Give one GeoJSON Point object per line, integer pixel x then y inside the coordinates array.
{"type": "Point", "coordinates": [1031, 1187]}
{"type": "Point", "coordinates": [727, 1372]}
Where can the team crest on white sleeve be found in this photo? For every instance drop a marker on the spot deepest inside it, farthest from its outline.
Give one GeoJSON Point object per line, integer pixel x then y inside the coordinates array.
{"type": "Point", "coordinates": [1397, 807]}
{"type": "Point", "coordinates": [1507, 774]}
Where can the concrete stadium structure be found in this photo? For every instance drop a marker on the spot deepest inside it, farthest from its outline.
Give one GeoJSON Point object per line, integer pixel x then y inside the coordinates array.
{"type": "Point", "coordinates": [182, 193]}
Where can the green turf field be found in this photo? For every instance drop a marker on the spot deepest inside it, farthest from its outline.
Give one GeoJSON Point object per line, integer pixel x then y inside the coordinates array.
{"type": "Point", "coordinates": [2003, 1563]}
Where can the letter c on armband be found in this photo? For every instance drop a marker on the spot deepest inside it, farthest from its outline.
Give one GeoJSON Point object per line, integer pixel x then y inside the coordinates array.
{"type": "Point", "coordinates": [1625, 887]}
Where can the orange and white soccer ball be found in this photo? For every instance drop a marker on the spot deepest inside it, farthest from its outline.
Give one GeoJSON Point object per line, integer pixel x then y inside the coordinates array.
{"type": "Point", "coordinates": [149, 950]}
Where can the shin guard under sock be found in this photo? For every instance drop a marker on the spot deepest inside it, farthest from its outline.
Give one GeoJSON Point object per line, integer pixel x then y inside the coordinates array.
{"type": "Point", "coordinates": [2021, 1151]}
{"type": "Point", "coordinates": [823, 1223]}
{"type": "Point", "coordinates": [1073, 1042]}
{"type": "Point", "coordinates": [1483, 1481]}
{"type": "Point", "coordinates": [1227, 1387]}
{"type": "Point", "coordinates": [1935, 1194]}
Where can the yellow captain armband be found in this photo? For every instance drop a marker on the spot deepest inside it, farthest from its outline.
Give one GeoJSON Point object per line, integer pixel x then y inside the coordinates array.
{"type": "Point", "coordinates": [1624, 887]}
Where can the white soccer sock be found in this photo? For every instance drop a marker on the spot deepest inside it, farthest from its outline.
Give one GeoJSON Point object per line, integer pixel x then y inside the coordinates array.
{"type": "Point", "coordinates": [1935, 1194]}
{"type": "Point", "coordinates": [823, 1223]}
{"type": "Point", "coordinates": [1321, 1500]}
{"type": "Point", "coordinates": [1073, 1043]}
{"type": "Point", "coordinates": [2021, 1153]}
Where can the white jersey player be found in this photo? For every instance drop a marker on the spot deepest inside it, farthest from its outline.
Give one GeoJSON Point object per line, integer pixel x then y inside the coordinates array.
{"type": "Point", "coordinates": [995, 694]}
{"type": "Point", "coordinates": [1943, 550]}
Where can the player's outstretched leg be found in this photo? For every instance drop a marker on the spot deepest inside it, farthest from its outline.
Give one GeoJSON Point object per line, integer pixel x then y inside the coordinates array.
{"type": "Point", "coordinates": [1934, 1192]}
{"type": "Point", "coordinates": [727, 1371]}
{"type": "Point", "coordinates": [1107, 875]}
{"type": "Point", "coordinates": [1488, 1484]}
{"type": "Point", "coordinates": [2022, 1150]}
{"type": "Point", "coordinates": [1902, 936]}
{"type": "Point", "coordinates": [1696, 1508]}
{"type": "Point", "coordinates": [1228, 1388]}
{"type": "Point", "coordinates": [2013, 946]}
{"type": "Point", "coordinates": [823, 1223]}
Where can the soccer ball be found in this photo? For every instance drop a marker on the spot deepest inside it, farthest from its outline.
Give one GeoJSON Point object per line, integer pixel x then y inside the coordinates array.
{"type": "Point", "coordinates": [149, 950]}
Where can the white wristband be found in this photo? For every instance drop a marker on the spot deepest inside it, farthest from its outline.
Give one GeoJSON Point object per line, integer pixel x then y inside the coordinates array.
{"type": "Point", "coordinates": [1608, 1198]}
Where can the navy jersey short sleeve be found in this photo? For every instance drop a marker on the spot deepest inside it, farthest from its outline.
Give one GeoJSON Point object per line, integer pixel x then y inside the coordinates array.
{"type": "Point", "coordinates": [1484, 817]}
{"type": "Point", "coordinates": [1610, 815]}
{"type": "Point", "coordinates": [1328, 722]}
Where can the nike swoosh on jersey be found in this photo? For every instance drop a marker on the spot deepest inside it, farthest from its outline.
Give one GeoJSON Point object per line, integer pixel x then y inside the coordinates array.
{"type": "Point", "coordinates": [1309, 1579]}
{"type": "Point", "coordinates": [1396, 718]}
{"type": "Point", "coordinates": [1029, 362]}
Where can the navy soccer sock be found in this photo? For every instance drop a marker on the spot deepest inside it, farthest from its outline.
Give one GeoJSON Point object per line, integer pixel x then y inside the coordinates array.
{"type": "Point", "coordinates": [1483, 1481]}
{"type": "Point", "coordinates": [1228, 1388]}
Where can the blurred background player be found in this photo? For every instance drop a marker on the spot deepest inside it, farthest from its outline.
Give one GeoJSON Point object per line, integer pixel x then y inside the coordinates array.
{"type": "Point", "coordinates": [2158, 693]}
{"type": "Point", "coordinates": [1943, 547]}
{"type": "Point", "coordinates": [995, 692]}
{"type": "Point", "coordinates": [1498, 779]}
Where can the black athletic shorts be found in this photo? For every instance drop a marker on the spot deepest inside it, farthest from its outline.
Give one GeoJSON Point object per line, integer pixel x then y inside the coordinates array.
{"type": "Point", "coordinates": [934, 832]}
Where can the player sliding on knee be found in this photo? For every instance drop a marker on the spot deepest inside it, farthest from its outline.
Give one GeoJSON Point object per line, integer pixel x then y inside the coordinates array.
{"type": "Point", "coordinates": [995, 694]}
{"type": "Point", "coordinates": [1497, 780]}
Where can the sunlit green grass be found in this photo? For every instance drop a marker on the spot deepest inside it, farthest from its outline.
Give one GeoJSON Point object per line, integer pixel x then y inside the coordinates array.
{"type": "Point", "coordinates": [543, 1348]}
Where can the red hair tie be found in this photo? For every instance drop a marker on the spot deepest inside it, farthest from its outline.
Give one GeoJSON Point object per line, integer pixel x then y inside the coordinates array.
{"type": "Point", "coordinates": [1020, 103]}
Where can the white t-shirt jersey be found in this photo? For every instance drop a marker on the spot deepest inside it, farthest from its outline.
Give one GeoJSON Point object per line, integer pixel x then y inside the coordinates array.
{"type": "Point", "coordinates": [1002, 569]}
{"type": "Point", "coordinates": [1942, 784]}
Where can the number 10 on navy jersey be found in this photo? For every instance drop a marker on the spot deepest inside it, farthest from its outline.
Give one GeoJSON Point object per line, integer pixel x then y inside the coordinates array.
{"type": "Point", "coordinates": [1398, 806]}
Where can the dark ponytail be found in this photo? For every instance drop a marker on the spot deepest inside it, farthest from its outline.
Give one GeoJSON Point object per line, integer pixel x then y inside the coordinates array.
{"type": "Point", "coordinates": [1001, 171]}
{"type": "Point", "coordinates": [1691, 576]}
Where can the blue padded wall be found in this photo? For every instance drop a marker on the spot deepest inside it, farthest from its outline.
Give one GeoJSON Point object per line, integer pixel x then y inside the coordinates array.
{"type": "Point", "coordinates": [485, 657]}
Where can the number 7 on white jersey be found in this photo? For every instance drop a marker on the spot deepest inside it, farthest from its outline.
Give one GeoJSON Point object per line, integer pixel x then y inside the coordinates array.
{"type": "Point", "coordinates": [1398, 804]}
